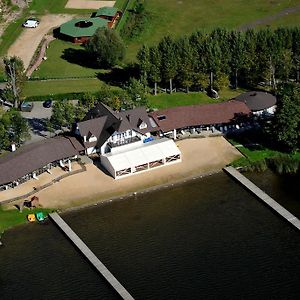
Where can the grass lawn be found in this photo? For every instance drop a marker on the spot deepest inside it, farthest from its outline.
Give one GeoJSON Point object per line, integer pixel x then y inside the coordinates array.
{"type": "Point", "coordinates": [180, 99]}
{"type": "Point", "coordinates": [35, 88]}
{"type": "Point", "coordinates": [182, 17]}
{"type": "Point", "coordinates": [65, 59]}
{"type": "Point", "coordinates": [12, 217]}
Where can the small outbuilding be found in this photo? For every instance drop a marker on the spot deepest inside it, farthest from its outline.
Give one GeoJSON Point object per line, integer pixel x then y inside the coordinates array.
{"type": "Point", "coordinates": [112, 14]}
{"type": "Point", "coordinates": [259, 102]}
{"type": "Point", "coordinates": [80, 30]}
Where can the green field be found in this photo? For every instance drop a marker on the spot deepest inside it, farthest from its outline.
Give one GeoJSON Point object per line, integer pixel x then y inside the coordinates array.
{"type": "Point", "coordinates": [162, 101]}
{"type": "Point", "coordinates": [181, 17]}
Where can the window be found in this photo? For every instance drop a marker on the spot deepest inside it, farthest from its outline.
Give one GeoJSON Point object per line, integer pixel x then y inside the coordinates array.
{"type": "Point", "coordinates": [161, 117]}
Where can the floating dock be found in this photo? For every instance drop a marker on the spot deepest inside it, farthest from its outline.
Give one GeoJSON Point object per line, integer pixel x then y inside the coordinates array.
{"type": "Point", "coordinates": [263, 196]}
{"type": "Point", "coordinates": [85, 250]}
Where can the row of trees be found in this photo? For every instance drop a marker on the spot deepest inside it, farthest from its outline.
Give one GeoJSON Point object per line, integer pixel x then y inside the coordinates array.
{"type": "Point", "coordinates": [223, 57]}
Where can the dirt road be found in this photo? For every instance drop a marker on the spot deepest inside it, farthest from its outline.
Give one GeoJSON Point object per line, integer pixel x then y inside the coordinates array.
{"type": "Point", "coordinates": [26, 44]}
{"type": "Point", "coordinates": [88, 4]}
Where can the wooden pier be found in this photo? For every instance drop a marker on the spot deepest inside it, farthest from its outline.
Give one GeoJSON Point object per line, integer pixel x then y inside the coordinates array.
{"type": "Point", "coordinates": [91, 256]}
{"type": "Point", "coordinates": [263, 196]}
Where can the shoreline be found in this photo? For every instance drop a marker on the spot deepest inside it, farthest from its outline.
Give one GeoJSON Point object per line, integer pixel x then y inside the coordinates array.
{"type": "Point", "coordinates": [201, 158]}
{"type": "Point", "coordinates": [142, 191]}
{"type": "Point", "coordinates": [120, 197]}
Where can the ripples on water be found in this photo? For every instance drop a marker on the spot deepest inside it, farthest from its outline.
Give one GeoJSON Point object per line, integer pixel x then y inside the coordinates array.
{"type": "Point", "coordinates": [205, 239]}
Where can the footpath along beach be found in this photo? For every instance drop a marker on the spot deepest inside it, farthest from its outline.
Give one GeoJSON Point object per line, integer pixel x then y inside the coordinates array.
{"type": "Point", "coordinates": [199, 156]}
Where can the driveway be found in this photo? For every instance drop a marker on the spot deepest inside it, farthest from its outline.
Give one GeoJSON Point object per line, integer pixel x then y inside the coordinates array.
{"type": "Point", "coordinates": [27, 43]}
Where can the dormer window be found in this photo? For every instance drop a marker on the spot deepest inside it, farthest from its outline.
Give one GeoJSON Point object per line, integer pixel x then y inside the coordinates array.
{"type": "Point", "coordinates": [92, 138]}
{"type": "Point", "coordinates": [143, 125]}
{"type": "Point", "coordinates": [161, 117]}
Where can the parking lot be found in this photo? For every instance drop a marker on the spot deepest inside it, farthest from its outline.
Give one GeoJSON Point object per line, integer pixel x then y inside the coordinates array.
{"type": "Point", "coordinates": [37, 121]}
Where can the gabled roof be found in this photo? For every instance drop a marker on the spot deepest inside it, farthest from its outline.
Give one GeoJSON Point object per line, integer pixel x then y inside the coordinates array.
{"type": "Point", "coordinates": [92, 126]}
{"type": "Point", "coordinates": [31, 157]}
{"type": "Point", "coordinates": [102, 122]}
{"type": "Point", "coordinates": [106, 11]}
{"type": "Point", "coordinates": [257, 100]}
{"type": "Point", "coordinates": [134, 118]}
{"type": "Point", "coordinates": [196, 115]}
{"type": "Point", "coordinates": [69, 28]}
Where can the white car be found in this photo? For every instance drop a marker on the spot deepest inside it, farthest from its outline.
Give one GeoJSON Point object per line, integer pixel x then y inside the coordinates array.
{"type": "Point", "coordinates": [31, 23]}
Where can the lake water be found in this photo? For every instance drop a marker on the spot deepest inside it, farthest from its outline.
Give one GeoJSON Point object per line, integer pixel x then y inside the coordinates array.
{"type": "Point", "coordinates": [205, 239]}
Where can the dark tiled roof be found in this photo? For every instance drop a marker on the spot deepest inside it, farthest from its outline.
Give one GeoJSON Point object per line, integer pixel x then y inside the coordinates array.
{"type": "Point", "coordinates": [31, 157]}
{"type": "Point", "coordinates": [101, 121]}
{"type": "Point", "coordinates": [93, 126]}
{"type": "Point", "coordinates": [195, 115]}
{"type": "Point", "coordinates": [257, 100]}
{"type": "Point", "coordinates": [135, 117]}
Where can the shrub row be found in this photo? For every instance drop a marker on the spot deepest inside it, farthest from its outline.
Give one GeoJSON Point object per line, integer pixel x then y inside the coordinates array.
{"type": "Point", "coordinates": [65, 96]}
{"type": "Point", "coordinates": [281, 164]}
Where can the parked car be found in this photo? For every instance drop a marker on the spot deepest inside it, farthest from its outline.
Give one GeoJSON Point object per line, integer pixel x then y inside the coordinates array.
{"type": "Point", "coordinates": [26, 106]}
{"type": "Point", "coordinates": [47, 103]}
{"type": "Point", "coordinates": [31, 23]}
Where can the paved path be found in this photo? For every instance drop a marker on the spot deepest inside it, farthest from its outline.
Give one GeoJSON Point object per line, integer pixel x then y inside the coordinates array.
{"type": "Point", "coordinates": [263, 196]}
{"type": "Point", "coordinates": [91, 256]}
{"type": "Point", "coordinates": [267, 20]}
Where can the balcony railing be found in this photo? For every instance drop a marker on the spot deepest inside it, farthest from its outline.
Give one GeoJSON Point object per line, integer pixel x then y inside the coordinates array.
{"type": "Point", "coordinates": [124, 142]}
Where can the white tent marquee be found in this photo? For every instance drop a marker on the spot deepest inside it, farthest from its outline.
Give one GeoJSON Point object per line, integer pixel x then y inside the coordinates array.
{"type": "Point", "coordinates": [153, 154]}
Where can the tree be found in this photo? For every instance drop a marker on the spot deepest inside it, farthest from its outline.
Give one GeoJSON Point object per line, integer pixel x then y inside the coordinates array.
{"type": "Point", "coordinates": [14, 70]}
{"type": "Point", "coordinates": [49, 126]}
{"type": "Point", "coordinates": [106, 47]}
{"type": "Point", "coordinates": [155, 67]}
{"type": "Point", "coordinates": [296, 52]}
{"type": "Point", "coordinates": [286, 124]}
{"type": "Point", "coordinates": [4, 137]}
{"type": "Point", "coordinates": [16, 127]}
{"type": "Point", "coordinates": [136, 92]}
{"type": "Point", "coordinates": [63, 114]}
{"type": "Point", "coordinates": [236, 44]}
{"type": "Point", "coordinates": [143, 57]}
{"type": "Point", "coordinates": [168, 60]}
{"type": "Point", "coordinates": [185, 63]}
{"type": "Point", "coordinates": [88, 101]}
{"type": "Point", "coordinates": [213, 58]}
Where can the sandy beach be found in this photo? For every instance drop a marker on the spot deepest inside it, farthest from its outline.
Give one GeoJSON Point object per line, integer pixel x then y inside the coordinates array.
{"type": "Point", "coordinates": [199, 156]}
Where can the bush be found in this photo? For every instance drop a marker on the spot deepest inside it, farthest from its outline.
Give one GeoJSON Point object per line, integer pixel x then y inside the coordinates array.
{"type": "Point", "coordinates": [136, 22]}
{"type": "Point", "coordinates": [284, 164]}
{"type": "Point", "coordinates": [257, 166]}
